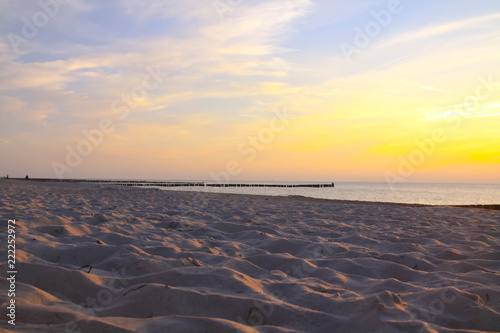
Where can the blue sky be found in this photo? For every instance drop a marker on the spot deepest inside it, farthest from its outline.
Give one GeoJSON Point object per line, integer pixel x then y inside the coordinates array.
{"type": "Point", "coordinates": [224, 76]}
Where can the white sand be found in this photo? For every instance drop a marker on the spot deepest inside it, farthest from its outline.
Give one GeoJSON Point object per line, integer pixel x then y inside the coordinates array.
{"type": "Point", "coordinates": [165, 261]}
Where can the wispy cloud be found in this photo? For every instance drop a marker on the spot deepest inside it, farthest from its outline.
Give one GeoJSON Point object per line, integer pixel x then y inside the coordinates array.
{"type": "Point", "coordinates": [439, 29]}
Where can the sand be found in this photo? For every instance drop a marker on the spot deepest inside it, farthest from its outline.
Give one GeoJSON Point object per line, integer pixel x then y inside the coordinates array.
{"type": "Point", "coordinates": [98, 258]}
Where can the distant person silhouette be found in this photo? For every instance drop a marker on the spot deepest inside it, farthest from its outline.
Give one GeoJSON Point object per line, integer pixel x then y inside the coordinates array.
{"type": "Point", "coordinates": [27, 177]}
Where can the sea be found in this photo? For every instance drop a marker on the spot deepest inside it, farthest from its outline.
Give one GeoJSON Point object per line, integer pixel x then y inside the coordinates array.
{"type": "Point", "coordinates": [412, 193]}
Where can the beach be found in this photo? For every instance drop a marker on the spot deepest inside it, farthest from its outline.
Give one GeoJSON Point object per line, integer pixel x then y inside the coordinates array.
{"type": "Point", "coordinates": [104, 258]}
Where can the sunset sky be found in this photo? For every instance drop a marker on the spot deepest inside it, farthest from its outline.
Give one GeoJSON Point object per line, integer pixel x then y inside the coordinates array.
{"type": "Point", "coordinates": [362, 90]}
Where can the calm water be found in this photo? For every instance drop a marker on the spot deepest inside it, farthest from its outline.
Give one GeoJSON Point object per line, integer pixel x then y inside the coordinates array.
{"type": "Point", "coordinates": [432, 194]}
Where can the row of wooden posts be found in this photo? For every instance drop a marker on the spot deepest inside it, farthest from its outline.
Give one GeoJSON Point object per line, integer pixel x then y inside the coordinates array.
{"type": "Point", "coordinates": [176, 184]}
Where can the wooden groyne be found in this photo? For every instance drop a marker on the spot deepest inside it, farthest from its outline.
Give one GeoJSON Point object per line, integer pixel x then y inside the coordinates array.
{"type": "Point", "coordinates": [175, 184]}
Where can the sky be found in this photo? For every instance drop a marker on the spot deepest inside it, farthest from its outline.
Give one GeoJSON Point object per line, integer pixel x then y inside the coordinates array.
{"type": "Point", "coordinates": [311, 90]}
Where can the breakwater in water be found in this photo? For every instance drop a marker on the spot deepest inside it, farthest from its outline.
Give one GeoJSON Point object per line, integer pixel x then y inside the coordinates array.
{"type": "Point", "coordinates": [175, 184]}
